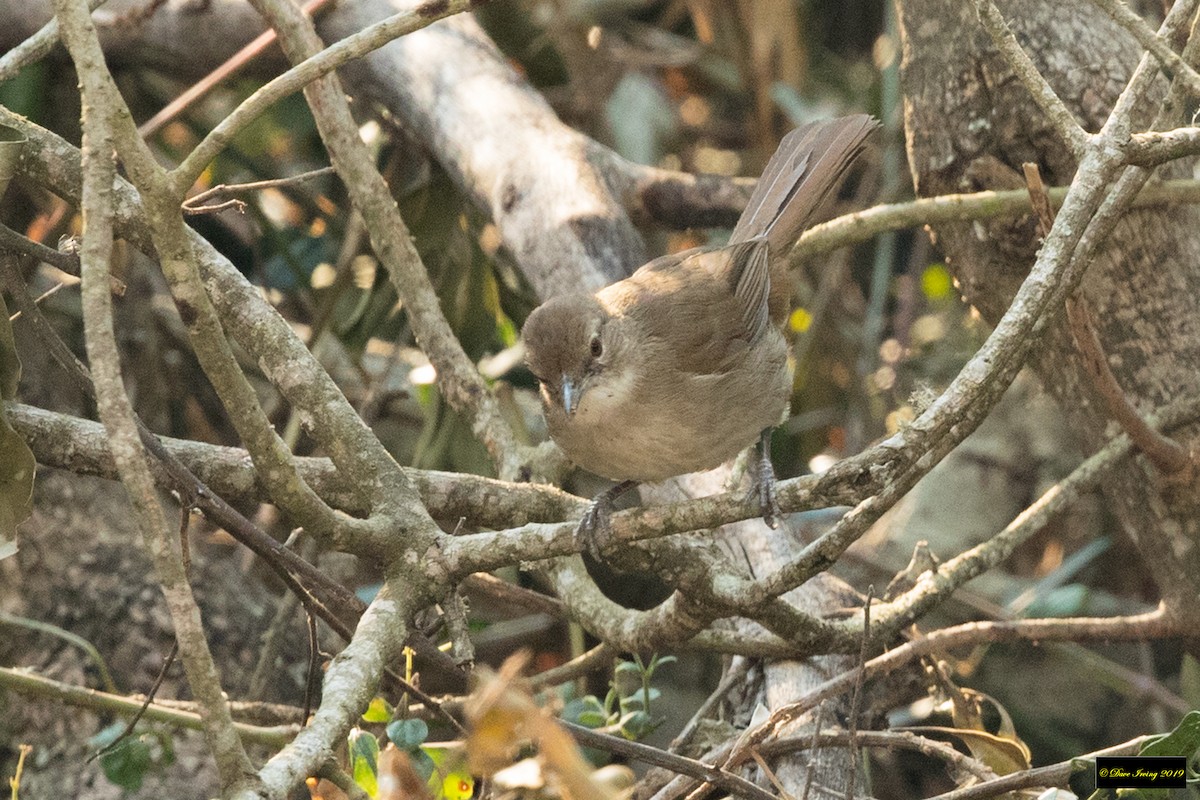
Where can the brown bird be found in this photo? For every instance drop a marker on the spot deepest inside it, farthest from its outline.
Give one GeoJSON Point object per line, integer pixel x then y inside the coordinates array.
{"type": "Point", "coordinates": [678, 367]}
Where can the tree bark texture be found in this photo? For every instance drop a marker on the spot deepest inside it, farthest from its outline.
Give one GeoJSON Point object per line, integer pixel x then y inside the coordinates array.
{"type": "Point", "coordinates": [970, 124]}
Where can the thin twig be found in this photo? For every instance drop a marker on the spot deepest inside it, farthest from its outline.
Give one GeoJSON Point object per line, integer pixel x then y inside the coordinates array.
{"type": "Point", "coordinates": [214, 208]}
{"type": "Point", "coordinates": [35, 47]}
{"type": "Point", "coordinates": [146, 703]}
{"type": "Point", "coordinates": [814, 743]}
{"type": "Point", "coordinates": [737, 672]}
{"type": "Point", "coordinates": [336, 605]}
{"type": "Point", "coordinates": [1154, 625]}
{"type": "Point", "coordinates": [185, 516]}
{"type": "Point", "coordinates": [512, 595]}
{"type": "Point", "coordinates": [11, 240]}
{"type": "Point", "coordinates": [862, 225]}
{"type": "Point", "coordinates": [599, 656]}
{"type": "Point", "coordinates": [314, 665]}
{"type": "Point", "coordinates": [891, 740]}
{"type": "Point", "coordinates": [34, 685]}
{"type": "Point", "coordinates": [457, 378]}
{"type": "Point", "coordinates": [53, 290]}
{"type": "Point", "coordinates": [322, 63]}
{"type": "Point", "coordinates": [106, 679]}
{"type": "Point", "coordinates": [719, 778]}
{"type": "Point", "coordinates": [1164, 452]}
{"type": "Point", "coordinates": [1052, 775]}
{"type": "Point", "coordinates": [196, 203]}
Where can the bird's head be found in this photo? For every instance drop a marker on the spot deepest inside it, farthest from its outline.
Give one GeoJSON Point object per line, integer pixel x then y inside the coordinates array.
{"type": "Point", "coordinates": [569, 344]}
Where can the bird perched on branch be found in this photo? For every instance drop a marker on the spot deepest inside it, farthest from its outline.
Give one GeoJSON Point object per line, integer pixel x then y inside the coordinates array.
{"type": "Point", "coordinates": [678, 367]}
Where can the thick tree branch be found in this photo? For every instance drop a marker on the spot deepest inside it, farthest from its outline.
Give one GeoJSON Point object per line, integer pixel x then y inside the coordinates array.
{"type": "Point", "coordinates": [365, 465]}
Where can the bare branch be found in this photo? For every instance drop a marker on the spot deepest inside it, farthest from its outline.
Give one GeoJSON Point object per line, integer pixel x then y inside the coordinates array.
{"type": "Point", "coordinates": [1154, 625]}
{"type": "Point", "coordinates": [231, 67]}
{"type": "Point", "coordinates": [35, 47]}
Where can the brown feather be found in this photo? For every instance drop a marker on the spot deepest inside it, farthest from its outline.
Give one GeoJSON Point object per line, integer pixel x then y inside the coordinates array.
{"type": "Point", "coordinates": [799, 179]}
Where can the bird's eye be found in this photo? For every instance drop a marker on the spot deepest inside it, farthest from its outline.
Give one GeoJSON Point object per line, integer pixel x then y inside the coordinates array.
{"type": "Point", "coordinates": [597, 347]}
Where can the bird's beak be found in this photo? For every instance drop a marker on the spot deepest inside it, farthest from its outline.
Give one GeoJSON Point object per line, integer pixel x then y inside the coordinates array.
{"type": "Point", "coordinates": [570, 396]}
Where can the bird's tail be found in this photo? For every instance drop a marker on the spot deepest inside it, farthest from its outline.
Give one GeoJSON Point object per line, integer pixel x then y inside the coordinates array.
{"type": "Point", "coordinates": [806, 169]}
{"type": "Point", "coordinates": [804, 172]}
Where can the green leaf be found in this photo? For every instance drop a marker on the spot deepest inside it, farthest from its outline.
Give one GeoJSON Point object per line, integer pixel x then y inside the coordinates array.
{"type": "Point", "coordinates": [637, 700]}
{"type": "Point", "coordinates": [450, 780]}
{"type": "Point", "coordinates": [126, 764]}
{"type": "Point", "coordinates": [422, 764]}
{"type": "Point", "coordinates": [1063, 601]}
{"type": "Point", "coordinates": [408, 734]}
{"type": "Point", "coordinates": [364, 760]}
{"type": "Point", "coordinates": [627, 668]}
{"type": "Point", "coordinates": [1003, 754]}
{"type": "Point", "coordinates": [586, 711]}
{"type": "Point", "coordinates": [636, 725]}
{"type": "Point", "coordinates": [661, 661]}
{"type": "Point", "coordinates": [1183, 741]}
{"type": "Point", "coordinates": [378, 711]}
{"type": "Point", "coordinates": [612, 700]}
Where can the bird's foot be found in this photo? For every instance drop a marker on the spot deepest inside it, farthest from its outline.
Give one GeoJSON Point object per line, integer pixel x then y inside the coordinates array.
{"type": "Point", "coordinates": [595, 533]}
{"type": "Point", "coordinates": [763, 486]}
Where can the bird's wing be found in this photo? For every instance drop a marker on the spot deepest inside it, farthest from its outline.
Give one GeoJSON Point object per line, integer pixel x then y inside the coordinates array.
{"type": "Point", "coordinates": [706, 307]}
{"type": "Point", "coordinates": [744, 270]}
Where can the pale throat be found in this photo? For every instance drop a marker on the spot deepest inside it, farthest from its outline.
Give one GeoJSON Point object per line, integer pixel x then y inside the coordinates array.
{"type": "Point", "coordinates": [608, 394]}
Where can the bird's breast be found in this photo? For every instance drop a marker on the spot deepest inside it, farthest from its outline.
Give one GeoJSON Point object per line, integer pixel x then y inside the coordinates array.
{"type": "Point", "coordinates": [658, 424]}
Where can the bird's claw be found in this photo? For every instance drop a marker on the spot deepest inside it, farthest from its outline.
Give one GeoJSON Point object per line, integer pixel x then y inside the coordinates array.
{"type": "Point", "coordinates": [594, 533]}
{"type": "Point", "coordinates": [595, 528]}
{"type": "Point", "coordinates": [763, 487]}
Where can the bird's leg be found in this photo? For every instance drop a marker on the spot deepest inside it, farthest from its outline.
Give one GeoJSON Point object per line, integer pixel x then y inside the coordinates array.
{"type": "Point", "coordinates": [595, 529]}
{"type": "Point", "coordinates": [763, 484]}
